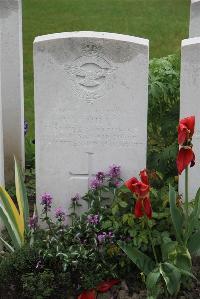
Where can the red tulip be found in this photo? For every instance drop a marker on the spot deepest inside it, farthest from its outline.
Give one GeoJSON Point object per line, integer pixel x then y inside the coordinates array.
{"type": "Point", "coordinates": [186, 129]}
{"type": "Point", "coordinates": [107, 285]}
{"type": "Point", "coordinates": [185, 157]}
{"type": "Point", "coordinates": [144, 176]}
{"type": "Point", "coordinates": [143, 207]}
{"type": "Point", "coordinates": [141, 190]}
{"type": "Point", "coordinates": [130, 183]}
{"type": "Point", "coordinates": [91, 294]}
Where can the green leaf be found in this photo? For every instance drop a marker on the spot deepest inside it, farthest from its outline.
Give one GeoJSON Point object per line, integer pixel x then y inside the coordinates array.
{"type": "Point", "coordinates": [107, 224]}
{"type": "Point", "coordinates": [194, 243]}
{"type": "Point", "coordinates": [187, 273]}
{"type": "Point", "coordinates": [115, 209]}
{"type": "Point", "coordinates": [193, 218]}
{"type": "Point", "coordinates": [10, 226]}
{"type": "Point", "coordinates": [8, 246]}
{"type": "Point", "coordinates": [21, 193]}
{"type": "Point", "coordinates": [123, 204]}
{"type": "Point", "coordinates": [169, 250]}
{"type": "Point", "coordinates": [177, 217]}
{"type": "Point", "coordinates": [152, 280]}
{"type": "Point", "coordinates": [141, 260]}
{"type": "Point", "coordinates": [12, 212]}
{"type": "Point", "coordinates": [183, 258]}
{"type": "Point", "coordinates": [171, 276]}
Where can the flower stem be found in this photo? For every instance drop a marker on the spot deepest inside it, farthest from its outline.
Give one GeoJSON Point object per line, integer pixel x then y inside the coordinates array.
{"type": "Point", "coordinates": [186, 198]}
{"type": "Point", "coordinates": [186, 193]}
{"type": "Point", "coordinates": [151, 240]}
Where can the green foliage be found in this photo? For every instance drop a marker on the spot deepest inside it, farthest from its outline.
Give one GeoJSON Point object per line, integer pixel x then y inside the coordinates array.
{"type": "Point", "coordinates": [22, 276]}
{"type": "Point", "coordinates": [15, 218]}
{"type": "Point", "coordinates": [143, 262]}
{"type": "Point", "coordinates": [163, 114]}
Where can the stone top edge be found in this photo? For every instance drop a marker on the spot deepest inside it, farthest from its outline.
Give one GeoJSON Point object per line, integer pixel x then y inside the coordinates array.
{"type": "Point", "coordinates": [190, 41]}
{"type": "Point", "coordinates": [194, 1]}
{"type": "Point", "coordinates": [92, 34]}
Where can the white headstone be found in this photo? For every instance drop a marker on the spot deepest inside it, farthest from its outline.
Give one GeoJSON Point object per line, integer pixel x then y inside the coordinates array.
{"type": "Point", "coordinates": [1, 130]}
{"type": "Point", "coordinates": [91, 94]}
{"type": "Point", "coordinates": [12, 84]}
{"type": "Point", "coordinates": [194, 30]}
{"type": "Point", "coordinates": [1, 142]}
{"type": "Point", "coordinates": [190, 105]}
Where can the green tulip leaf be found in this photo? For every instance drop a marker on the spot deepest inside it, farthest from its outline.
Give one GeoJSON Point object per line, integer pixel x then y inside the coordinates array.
{"type": "Point", "coordinates": [171, 276]}
{"type": "Point", "coordinates": [141, 260]}
{"type": "Point", "coordinates": [194, 243]}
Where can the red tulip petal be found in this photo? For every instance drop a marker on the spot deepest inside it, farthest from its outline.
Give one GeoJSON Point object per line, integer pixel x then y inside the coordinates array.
{"type": "Point", "coordinates": [147, 207]}
{"type": "Point", "coordinates": [107, 285]}
{"type": "Point", "coordinates": [183, 134]}
{"type": "Point", "coordinates": [88, 295]}
{"type": "Point", "coordinates": [129, 184]}
{"type": "Point", "coordinates": [185, 129]}
{"type": "Point", "coordinates": [138, 211]}
{"type": "Point", "coordinates": [144, 177]}
{"type": "Point", "coordinates": [184, 158]}
{"type": "Point", "coordinates": [189, 122]}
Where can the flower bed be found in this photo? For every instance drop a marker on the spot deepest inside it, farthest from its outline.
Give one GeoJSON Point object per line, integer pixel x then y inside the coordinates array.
{"type": "Point", "coordinates": [133, 241]}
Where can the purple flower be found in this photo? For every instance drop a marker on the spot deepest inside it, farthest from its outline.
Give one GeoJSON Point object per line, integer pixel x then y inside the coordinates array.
{"type": "Point", "coordinates": [116, 183]}
{"type": "Point", "coordinates": [46, 201]}
{"type": "Point", "coordinates": [25, 127]}
{"type": "Point", "coordinates": [93, 219]}
{"type": "Point", "coordinates": [101, 237]}
{"type": "Point", "coordinates": [60, 214]}
{"type": "Point", "coordinates": [95, 184]}
{"type": "Point", "coordinates": [100, 176]}
{"type": "Point", "coordinates": [114, 171]}
{"type": "Point", "coordinates": [75, 199]}
{"type": "Point", "coordinates": [110, 235]}
{"type": "Point", "coordinates": [33, 221]}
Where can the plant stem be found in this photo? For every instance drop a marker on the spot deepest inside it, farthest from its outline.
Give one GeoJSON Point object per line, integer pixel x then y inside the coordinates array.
{"type": "Point", "coordinates": [151, 240]}
{"type": "Point", "coordinates": [186, 196]}
{"type": "Point", "coordinates": [186, 203]}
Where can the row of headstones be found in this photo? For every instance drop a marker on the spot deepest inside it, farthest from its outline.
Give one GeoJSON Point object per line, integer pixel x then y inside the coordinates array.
{"type": "Point", "coordinates": [91, 101]}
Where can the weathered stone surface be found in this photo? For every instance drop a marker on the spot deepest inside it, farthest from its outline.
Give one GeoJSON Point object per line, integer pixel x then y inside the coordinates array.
{"type": "Point", "coordinates": [194, 18]}
{"type": "Point", "coordinates": [190, 104]}
{"type": "Point", "coordinates": [90, 109]}
{"type": "Point", "coordinates": [12, 83]}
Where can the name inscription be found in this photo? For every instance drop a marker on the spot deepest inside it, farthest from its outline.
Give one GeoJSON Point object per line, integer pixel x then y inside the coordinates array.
{"type": "Point", "coordinates": [92, 130]}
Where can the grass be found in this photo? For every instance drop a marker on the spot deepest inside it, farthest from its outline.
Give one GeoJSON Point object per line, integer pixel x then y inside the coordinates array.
{"type": "Point", "coordinates": [163, 22]}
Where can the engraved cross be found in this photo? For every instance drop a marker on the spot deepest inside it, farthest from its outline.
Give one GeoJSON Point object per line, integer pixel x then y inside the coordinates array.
{"type": "Point", "coordinates": [83, 175]}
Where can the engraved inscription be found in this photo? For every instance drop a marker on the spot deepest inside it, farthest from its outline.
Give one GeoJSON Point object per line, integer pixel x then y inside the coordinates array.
{"type": "Point", "coordinates": [90, 74]}
{"type": "Point", "coordinates": [93, 130]}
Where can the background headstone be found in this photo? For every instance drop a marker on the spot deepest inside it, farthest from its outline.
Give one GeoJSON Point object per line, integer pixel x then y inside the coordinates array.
{"type": "Point", "coordinates": [12, 84]}
{"type": "Point", "coordinates": [1, 141]}
{"type": "Point", "coordinates": [91, 94]}
{"type": "Point", "coordinates": [194, 30]}
{"type": "Point", "coordinates": [190, 105]}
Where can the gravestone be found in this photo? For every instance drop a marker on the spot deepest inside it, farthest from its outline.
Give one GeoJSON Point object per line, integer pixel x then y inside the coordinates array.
{"type": "Point", "coordinates": [190, 105]}
{"type": "Point", "coordinates": [91, 94]}
{"type": "Point", "coordinates": [1, 143]}
{"type": "Point", "coordinates": [194, 30]}
{"type": "Point", "coordinates": [12, 84]}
